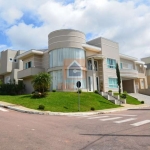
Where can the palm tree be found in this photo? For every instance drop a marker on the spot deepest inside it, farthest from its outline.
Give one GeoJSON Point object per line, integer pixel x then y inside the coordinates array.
{"type": "Point", "coordinates": [41, 82]}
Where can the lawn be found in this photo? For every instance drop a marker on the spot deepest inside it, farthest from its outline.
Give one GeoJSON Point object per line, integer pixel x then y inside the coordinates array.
{"type": "Point", "coordinates": [131, 100]}
{"type": "Point", "coordinates": [62, 101]}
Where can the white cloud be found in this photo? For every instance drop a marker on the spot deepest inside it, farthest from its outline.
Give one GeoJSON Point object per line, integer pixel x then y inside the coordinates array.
{"type": "Point", "coordinates": [125, 22]}
{"type": "Point", "coordinates": [4, 47]}
{"type": "Point", "coordinates": [27, 37]}
{"type": "Point", "coordinates": [11, 15]}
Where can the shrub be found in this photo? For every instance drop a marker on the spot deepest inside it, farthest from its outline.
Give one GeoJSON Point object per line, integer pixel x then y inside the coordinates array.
{"type": "Point", "coordinates": [37, 94]}
{"type": "Point", "coordinates": [125, 92]}
{"type": "Point", "coordinates": [53, 90]}
{"type": "Point", "coordinates": [41, 107]}
{"type": "Point", "coordinates": [92, 108]}
{"type": "Point", "coordinates": [96, 91]}
{"type": "Point", "coordinates": [79, 91]}
{"type": "Point", "coordinates": [142, 102]}
{"type": "Point", "coordinates": [124, 96]}
{"type": "Point", "coordinates": [110, 91]}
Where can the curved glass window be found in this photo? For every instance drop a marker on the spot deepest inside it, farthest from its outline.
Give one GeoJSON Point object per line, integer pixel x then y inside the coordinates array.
{"type": "Point", "coordinates": [57, 56]}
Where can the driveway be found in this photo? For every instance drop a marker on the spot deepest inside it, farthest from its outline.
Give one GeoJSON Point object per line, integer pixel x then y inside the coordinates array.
{"type": "Point", "coordinates": [141, 97]}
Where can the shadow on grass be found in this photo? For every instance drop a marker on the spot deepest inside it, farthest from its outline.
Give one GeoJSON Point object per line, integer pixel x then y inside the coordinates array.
{"type": "Point", "coordinates": [30, 97]}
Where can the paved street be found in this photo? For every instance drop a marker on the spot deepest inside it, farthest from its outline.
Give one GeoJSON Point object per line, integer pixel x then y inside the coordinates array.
{"type": "Point", "coordinates": [114, 131]}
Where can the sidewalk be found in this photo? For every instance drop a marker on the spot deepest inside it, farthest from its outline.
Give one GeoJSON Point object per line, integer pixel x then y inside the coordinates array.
{"type": "Point", "coordinates": [32, 111]}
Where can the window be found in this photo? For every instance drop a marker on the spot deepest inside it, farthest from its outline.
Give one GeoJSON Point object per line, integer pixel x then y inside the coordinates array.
{"type": "Point", "coordinates": [58, 56]}
{"type": "Point", "coordinates": [7, 79]}
{"type": "Point", "coordinates": [89, 64]}
{"type": "Point", "coordinates": [15, 60]}
{"type": "Point", "coordinates": [10, 59]}
{"type": "Point", "coordinates": [127, 65]}
{"type": "Point", "coordinates": [28, 64]}
{"type": "Point", "coordinates": [111, 63]}
{"type": "Point", "coordinates": [95, 65]}
{"type": "Point", "coordinates": [112, 83]}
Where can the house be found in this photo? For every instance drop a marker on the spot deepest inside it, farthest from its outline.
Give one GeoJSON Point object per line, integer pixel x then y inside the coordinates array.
{"type": "Point", "coordinates": [69, 58]}
{"type": "Point", "coordinates": [147, 62]}
{"type": "Point", "coordinates": [10, 65]}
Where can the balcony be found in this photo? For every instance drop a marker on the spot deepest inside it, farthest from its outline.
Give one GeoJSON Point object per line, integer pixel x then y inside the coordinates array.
{"type": "Point", "coordinates": [129, 73]}
{"type": "Point", "coordinates": [29, 72]}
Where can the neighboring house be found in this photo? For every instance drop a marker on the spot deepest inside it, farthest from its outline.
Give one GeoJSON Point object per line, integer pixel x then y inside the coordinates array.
{"type": "Point", "coordinates": [147, 62]}
{"type": "Point", "coordinates": [69, 58]}
{"type": "Point", "coordinates": [10, 65]}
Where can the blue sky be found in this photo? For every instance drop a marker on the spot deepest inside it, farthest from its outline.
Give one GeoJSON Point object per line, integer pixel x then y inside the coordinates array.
{"type": "Point", "coordinates": [26, 25]}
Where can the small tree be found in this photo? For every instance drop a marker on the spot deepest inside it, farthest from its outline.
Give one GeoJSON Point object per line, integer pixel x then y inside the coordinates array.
{"type": "Point", "coordinates": [118, 78]}
{"type": "Point", "coordinates": [41, 82]}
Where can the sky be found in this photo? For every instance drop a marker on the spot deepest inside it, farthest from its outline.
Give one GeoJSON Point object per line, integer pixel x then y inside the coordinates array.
{"type": "Point", "coordinates": [25, 25]}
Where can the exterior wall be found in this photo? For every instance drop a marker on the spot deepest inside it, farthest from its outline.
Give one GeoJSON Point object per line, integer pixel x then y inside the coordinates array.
{"type": "Point", "coordinates": [125, 61]}
{"type": "Point", "coordinates": [8, 67]}
{"type": "Point", "coordinates": [65, 38]}
{"type": "Point", "coordinates": [31, 58]}
{"type": "Point", "coordinates": [147, 62]}
{"type": "Point", "coordinates": [28, 86]}
{"type": "Point", "coordinates": [145, 91]}
{"type": "Point", "coordinates": [69, 40]}
{"type": "Point", "coordinates": [37, 61]}
{"type": "Point", "coordinates": [148, 81]}
{"type": "Point", "coordinates": [110, 49]}
{"type": "Point", "coordinates": [45, 61]}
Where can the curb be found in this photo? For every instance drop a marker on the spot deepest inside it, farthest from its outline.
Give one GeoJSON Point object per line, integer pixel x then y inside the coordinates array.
{"type": "Point", "coordinates": [73, 113]}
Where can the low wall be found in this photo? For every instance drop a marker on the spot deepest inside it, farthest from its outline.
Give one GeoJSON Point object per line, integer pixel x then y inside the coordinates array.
{"type": "Point", "coordinates": [145, 91]}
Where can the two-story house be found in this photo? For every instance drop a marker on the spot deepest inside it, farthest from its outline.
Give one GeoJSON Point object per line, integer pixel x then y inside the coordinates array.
{"type": "Point", "coordinates": [10, 65]}
{"type": "Point", "coordinates": [147, 62]}
{"type": "Point", "coordinates": [69, 58]}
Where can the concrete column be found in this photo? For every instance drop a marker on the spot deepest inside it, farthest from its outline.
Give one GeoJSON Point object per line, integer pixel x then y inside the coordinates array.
{"type": "Point", "coordinates": [121, 86]}
{"type": "Point", "coordinates": [134, 86]}
{"type": "Point", "coordinates": [94, 77]}
{"type": "Point", "coordinates": [145, 83]}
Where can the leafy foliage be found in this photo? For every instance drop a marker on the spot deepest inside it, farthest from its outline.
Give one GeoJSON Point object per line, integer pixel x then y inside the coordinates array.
{"type": "Point", "coordinates": [118, 78]}
{"type": "Point", "coordinates": [41, 82]}
{"type": "Point", "coordinates": [12, 88]}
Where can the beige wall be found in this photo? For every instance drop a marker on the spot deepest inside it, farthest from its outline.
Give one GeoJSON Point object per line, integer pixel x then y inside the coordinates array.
{"type": "Point", "coordinates": [125, 62]}
{"type": "Point", "coordinates": [46, 61]}
{"type": "Point", "coordinates": [65, 38]}
{"type": "Point", "coordinates": [10, 68]}
{"type": "Point", "coordinates": [28, 86]}
{"type": "Point", "coordinates": [110, 49]}
{"type": "Point", "coordinates": [148, 81]}
{"type": "Point", "coordinates": [146, 60]}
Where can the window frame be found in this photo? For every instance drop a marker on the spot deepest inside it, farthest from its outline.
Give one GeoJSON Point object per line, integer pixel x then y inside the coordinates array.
{"type": "Point", "coordinates": [112, 85]}
{"type": "Point", "coordinates": [108, 65]}
{"type": "Point", "coordinates": [89, 67]}
{"type": "Point", "coordinates": [96, 68]}
{"type": "Point", "coordinates": [27, 64]}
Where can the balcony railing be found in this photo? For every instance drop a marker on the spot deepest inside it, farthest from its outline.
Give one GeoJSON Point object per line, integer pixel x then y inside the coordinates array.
{"type": "Point", "coordinates": [129, 73]}
{"type": "Point", "coordinates": [29, 72]}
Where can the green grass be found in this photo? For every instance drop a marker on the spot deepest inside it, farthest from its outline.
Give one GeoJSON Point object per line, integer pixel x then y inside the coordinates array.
{"type": "Point", "coordinates": [131, 100]}
{"type": "Point", "coordinates": [62, 101]}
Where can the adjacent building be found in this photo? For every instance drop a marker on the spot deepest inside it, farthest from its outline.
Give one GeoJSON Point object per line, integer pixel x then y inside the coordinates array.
{"type": "Point", "coordinates": [147, 62]}
{"type": "Point", "coordinates": [69, 58]}
{"type": "Point", "coordinates": [10, 65]}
